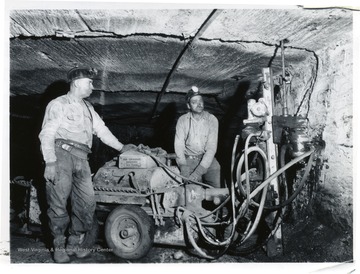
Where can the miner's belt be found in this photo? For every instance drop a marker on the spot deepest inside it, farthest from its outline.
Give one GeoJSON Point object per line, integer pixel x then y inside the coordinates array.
{"type": "Point", "coordinates": [78, 150]}
{"type": "Point", "coordinates": [195, 157]}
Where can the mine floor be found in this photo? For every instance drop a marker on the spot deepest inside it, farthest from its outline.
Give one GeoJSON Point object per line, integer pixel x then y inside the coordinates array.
{"type": "Point", "coordinates": [305, 241]}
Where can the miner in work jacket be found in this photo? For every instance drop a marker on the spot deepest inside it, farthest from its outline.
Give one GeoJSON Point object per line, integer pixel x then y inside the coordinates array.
{"type": "Point", "coordinates": [66, 139]}
{"type": "Point", "coordinates": [196, 140]}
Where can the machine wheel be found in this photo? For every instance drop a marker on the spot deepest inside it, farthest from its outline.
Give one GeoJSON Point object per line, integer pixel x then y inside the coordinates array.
{"type": "Point", "coordinates": [129, 232]}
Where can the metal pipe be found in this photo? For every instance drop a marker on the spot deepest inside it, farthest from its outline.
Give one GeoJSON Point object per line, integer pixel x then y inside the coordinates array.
{"type": "Point", "coordinates": [154, 209]}
{"type": "Point", "coordinates": [284, 95]}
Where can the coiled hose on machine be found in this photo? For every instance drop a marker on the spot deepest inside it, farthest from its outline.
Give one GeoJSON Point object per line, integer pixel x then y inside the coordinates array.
{"type": "Point", "coordinates": [188, 216]}
{"type": "Point", "coordinates": [263, 186]}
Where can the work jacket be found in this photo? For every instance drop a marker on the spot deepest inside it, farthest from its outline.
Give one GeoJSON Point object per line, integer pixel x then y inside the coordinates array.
{"type": "Point", "coordinates": [196, 137]}
{"type": "Point", "coordinates": [71, 118]}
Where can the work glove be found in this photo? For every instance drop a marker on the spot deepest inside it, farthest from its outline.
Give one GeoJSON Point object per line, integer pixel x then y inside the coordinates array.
{"type": "Point", "coordinates": [50, 172]}
{"type": "Point", "coordinates": [197, 174]}
{"type": "Point", "coordinates": [185, 170]}
{"type": "Point", "coordinates": [128, 147]}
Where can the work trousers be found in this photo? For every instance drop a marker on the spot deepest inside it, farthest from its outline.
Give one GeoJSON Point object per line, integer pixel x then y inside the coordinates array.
{"type": "Point", "coordinates": [211, 177]}
{"type": "Point", "coordinates": [72, 180]}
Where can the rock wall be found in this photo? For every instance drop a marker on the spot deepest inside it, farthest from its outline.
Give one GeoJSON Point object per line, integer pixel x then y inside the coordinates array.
{"type": "Point", "coordinates": [323, 93]}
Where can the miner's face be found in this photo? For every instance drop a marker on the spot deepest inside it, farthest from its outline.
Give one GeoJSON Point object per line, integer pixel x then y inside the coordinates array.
{"type": "Point", "coordinates": [196, 104]}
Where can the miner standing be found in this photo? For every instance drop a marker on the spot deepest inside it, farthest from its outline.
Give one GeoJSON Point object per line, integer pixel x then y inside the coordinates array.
{"type": "Point", "coordinates": [66, 140]}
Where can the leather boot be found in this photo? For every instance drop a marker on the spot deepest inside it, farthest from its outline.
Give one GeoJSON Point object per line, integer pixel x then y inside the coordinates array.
{"type": "Point", "coordinates": [73, 246]}
{"type": "Point", "coordinates": [60, 255]}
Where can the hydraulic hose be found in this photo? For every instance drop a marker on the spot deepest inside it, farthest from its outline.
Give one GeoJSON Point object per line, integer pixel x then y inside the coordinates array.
{"type": "Point", "coordinates": [197, 248]}
{"type": "Point", "coordinates": [247, 178]}
{"type": "Point", "coordinates": [216, 209]}
{"type": "Point", "coordinates": [247, 151]}
{"type": "Point", "coordinates": [280, 171]}
{"type": "Point", "coordinates": [241, 161]}
{"type": "Point", "coordinates": [242, 209]}
{"type": "Point", "coordinates": [263, 198]}
{"type": "Point", "coordinates": [283, 151]}
{"type": "Point", "coordinates": [293, 196]}
{"type": "Point", "coordinates": [184, 220]}
{"type": "Point", "coordinates": [258, 214]}
{"type": "Point", "coordinates": [272, 177]}
{"type": "Point", "coordinates": [228, 241]}
{"type": "Point", "coordinates": [283, 180]}
{"type": "Point", "coordinates": [297, 191]}
{"type": "Point", "coordinates": [178, 175]}
{"type": "Point", "coordinates": [232, 188]}
{"type": "Point", "coordinates": [193, 243]}
{"type": "Point", "coordinates": [249, 196]}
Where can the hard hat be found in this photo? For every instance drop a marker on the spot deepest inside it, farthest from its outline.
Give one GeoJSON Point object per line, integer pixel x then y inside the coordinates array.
{"type": "Point", "coordinates": [79, 73]}
{"type": "Point", "coordinates": [194, 91]}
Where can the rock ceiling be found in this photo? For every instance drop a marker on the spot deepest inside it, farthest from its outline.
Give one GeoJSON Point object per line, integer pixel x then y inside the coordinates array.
{"type": "Point", "coordinates": [147, 59]}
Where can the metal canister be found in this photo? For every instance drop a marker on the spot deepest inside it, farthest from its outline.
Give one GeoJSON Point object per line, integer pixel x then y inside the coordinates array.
{"type": "Point", "coordinates": [300, 141]}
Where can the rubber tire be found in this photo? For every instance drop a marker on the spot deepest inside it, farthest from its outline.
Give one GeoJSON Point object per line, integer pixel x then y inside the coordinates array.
{"type": "Point", "coordinates": [144, 235]}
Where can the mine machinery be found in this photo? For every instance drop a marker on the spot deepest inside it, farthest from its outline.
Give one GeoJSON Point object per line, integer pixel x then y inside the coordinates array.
{"type": "Point", "coordinates": [150, 202]}
{"type": "Point", "coordinates": [144, 200]}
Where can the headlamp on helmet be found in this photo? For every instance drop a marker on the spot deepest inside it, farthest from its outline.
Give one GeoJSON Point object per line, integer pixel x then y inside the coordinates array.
{"type": "Point", "coordinates": [194, 91]}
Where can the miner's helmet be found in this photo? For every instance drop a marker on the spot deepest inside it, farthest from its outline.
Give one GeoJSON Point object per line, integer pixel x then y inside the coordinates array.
{"type": "Point", "coordinates": [79, 73]}
{"type": "Point", "coordinates": [194, 91]}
